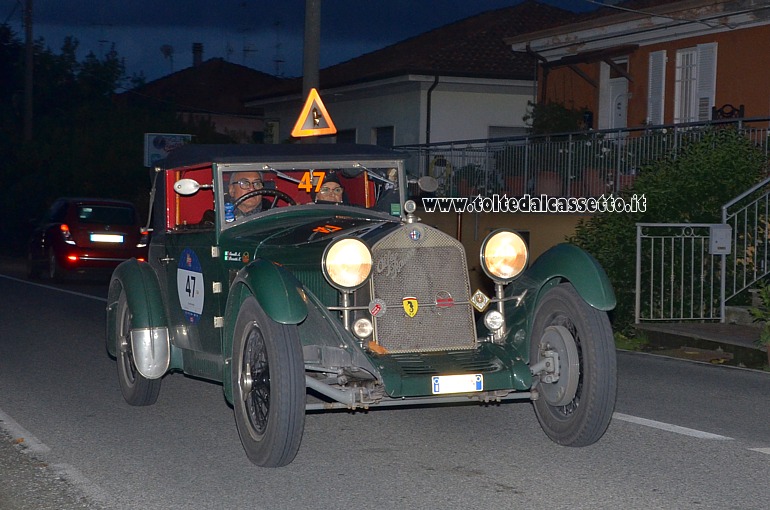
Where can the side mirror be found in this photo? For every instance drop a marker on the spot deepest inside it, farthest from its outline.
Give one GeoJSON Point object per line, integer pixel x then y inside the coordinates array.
{"type": "Point", "coordinates": [187, 187]}
{"type": "Point", "coordinates": [427, 183]}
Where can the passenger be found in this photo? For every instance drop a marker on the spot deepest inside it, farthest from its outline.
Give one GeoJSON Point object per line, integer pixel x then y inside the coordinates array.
{"type": "Point", "coordinates": [331, 191]}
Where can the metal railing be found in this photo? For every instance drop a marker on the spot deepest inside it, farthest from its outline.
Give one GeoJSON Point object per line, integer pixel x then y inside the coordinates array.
{"type": "Point", "coordinates": [748, 216]}
{"type": "Point", "coordinates": [586, 163]}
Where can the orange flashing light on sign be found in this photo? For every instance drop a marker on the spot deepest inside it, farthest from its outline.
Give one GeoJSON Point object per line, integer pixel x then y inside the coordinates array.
{"type": "Point", "coordinates": [314, 120]}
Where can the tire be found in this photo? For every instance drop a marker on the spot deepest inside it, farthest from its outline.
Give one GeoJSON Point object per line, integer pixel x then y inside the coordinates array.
{"type": "Point", "coordinates": [575, 410]}
{"type": "Point", "coordinates": [136, 389]}
{"type": "Point", "coordinates": [268, 378]}
{"type": "Point", "coordinates": [56, 273]}
{"type": "Point", "coordinates": [33, 272]}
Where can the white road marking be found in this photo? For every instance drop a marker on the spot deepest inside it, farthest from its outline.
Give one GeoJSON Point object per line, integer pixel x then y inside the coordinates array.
{"type": "Point", "coordinates": [22, 435]}
{"type": "Point", "coordinates": [761, 450]}
{"type": "Point", "coordinates": [53, 288]}
{"type": "Point", "coordinates": [669, 427]}
{"type": "Point", "coordinates": [39, 449]}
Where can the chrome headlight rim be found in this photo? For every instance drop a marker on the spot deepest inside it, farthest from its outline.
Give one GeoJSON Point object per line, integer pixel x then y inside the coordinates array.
{"type": "Point", "coordinates": [520, 267]}
{"type": "Point", "coordinates": [331, 273]}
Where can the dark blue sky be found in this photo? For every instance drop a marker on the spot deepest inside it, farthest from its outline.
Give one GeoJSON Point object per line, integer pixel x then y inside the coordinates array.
{"type": "Point", "coordinates": [262, 34]}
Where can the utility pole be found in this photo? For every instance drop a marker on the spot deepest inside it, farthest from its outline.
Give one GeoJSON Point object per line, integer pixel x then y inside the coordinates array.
{"type": "Point", "coordinates": [310, 55]}
{"type": "Point", "coordinates": [28, 66]}
{"type": "Point", "coordinates": [312, 45]}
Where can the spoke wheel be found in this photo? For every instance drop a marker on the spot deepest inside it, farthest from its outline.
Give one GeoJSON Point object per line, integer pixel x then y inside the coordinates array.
{"type": "Point", "coordinates": [575, 409]}
{"type": "Point", "coordinates": [136, 389]}
{"type": "Point", "coordinates": [268, 378]}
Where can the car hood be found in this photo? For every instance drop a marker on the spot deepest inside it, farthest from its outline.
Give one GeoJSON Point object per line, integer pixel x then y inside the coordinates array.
{"type": "Point", "coordinates": [302, 234]}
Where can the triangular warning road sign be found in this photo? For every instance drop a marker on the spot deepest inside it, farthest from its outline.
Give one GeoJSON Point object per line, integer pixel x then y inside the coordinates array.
{"type": "Point", "coordinates": [314, 120]}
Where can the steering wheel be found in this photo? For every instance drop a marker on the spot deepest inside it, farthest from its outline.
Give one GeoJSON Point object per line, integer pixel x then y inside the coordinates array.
{"type": "Point", "coordinates": [268, 192]}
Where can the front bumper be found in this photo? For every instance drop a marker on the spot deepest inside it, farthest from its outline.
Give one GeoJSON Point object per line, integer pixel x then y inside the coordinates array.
{"type": "Point", "coordinates": [411, 374]}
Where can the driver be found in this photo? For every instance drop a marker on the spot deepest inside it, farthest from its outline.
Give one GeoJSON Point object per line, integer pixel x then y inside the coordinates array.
{"type": "Point", "coordinates": [245, 182]}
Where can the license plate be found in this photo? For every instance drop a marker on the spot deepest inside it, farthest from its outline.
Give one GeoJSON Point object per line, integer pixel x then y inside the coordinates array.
{"type": "Point", "coordinates": [106, 238]}
{"type": "Point", "coordinates": [464, 383]}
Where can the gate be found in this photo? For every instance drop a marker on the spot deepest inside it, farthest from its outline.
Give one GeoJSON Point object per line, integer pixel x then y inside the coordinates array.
{"type": "Point", "coordinates": [678, 272]}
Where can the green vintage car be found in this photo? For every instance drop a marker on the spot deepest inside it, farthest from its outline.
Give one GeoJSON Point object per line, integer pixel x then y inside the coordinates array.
{"type": "Point", "coordinates": [306, 304]}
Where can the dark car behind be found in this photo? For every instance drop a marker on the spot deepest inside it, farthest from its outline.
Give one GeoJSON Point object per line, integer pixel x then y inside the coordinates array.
{"type": "Point", "coordinates": [85, 235]}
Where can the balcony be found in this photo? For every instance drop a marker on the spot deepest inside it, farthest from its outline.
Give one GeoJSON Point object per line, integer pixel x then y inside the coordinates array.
{"type": "Point", "coordinates": [578, 164]}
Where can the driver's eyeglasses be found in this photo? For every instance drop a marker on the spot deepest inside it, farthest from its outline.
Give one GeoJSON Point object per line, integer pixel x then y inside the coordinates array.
{"type": "Point", "coordinates": [325, 189]}
{"type": "Point", "coordinates": [247, 184]}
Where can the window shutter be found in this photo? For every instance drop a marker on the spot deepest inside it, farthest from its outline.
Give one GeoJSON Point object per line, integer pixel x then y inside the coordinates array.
{"type": "Point", "coordinates": [707, 79]}
{"type": "Point", "coordinates": [656, 87]}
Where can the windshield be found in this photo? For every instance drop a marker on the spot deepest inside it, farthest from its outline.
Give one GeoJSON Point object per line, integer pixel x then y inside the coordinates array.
{"type": "Point", "coordinates": [251, 189]}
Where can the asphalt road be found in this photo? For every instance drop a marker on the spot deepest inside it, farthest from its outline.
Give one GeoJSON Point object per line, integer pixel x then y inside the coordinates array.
{"type": "Point", "coordinates": [685, 435]}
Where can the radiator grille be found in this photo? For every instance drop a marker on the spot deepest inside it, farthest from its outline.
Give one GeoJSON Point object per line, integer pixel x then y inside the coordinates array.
{"type": "Point", "coordinates": [424, 263]}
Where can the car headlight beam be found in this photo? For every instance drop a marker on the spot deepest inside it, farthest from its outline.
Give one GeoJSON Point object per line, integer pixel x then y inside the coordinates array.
{"type": "Point", "coordinates": [504, 255]}
{"type": "Point", "coordinates": [347, 263]}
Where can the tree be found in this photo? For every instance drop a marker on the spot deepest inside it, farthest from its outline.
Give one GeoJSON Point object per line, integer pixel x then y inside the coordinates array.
{"type": "Point", "coordinates": [84, 142]}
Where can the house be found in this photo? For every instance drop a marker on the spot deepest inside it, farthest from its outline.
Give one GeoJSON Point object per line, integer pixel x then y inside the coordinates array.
{"type": "Point", "coordinates": [212, 90]}
{"type": "Point", "coordinates": [654, 62]}
{"type": "Point", "coordinates": [460, 81]}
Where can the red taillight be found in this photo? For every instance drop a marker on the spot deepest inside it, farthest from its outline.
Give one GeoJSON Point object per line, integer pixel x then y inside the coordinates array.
{"type": "Point", "coordinates": [144, 238]}
{"type": "Point", "coordinates": [66, 234]}
{"type": "Point", "coordinates": [141, 259]}
{"type": "Point", "coordinates": [72, 258]}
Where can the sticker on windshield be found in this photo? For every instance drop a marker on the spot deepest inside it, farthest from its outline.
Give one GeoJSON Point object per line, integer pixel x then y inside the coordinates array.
{"type": "Point", "coordinates": [311, 178]}
{"type": "Point", "coordinates": [189, 286]}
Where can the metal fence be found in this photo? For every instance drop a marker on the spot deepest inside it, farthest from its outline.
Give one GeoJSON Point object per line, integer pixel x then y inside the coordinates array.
{"type": "Point", "coordinates": [588, 163]}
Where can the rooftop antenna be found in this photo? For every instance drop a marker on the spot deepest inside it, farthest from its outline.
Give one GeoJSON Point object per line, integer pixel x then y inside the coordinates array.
{"type": "Point", "coordinates": [248, 49]}
{"type": "Point", "coordinates": [278, 58]}
{"type": "Point", "coordinates": [168, 53]}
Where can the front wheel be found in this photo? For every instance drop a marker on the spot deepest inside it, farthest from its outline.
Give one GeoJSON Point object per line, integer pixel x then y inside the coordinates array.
{"type": "Point", "coordinates": [268, 378]}
{"type": "Point", "coordinates": [576, 399]}
{"type": "Point", "coordinates": [137, 390]}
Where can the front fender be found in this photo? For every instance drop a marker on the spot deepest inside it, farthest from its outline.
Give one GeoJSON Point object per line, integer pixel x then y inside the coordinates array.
{"type": "Point", "coordinates": [143, 296]}
{"type": "Point", "coordinates": [581, 269]}
{"type": "Point", "coordinates": [278, 292]}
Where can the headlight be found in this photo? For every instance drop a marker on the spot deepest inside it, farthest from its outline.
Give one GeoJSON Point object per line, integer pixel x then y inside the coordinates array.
{"type": "Point", "coordinates": [347, 263]}
{"type": "Point", "coordinates": [504, 255]}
